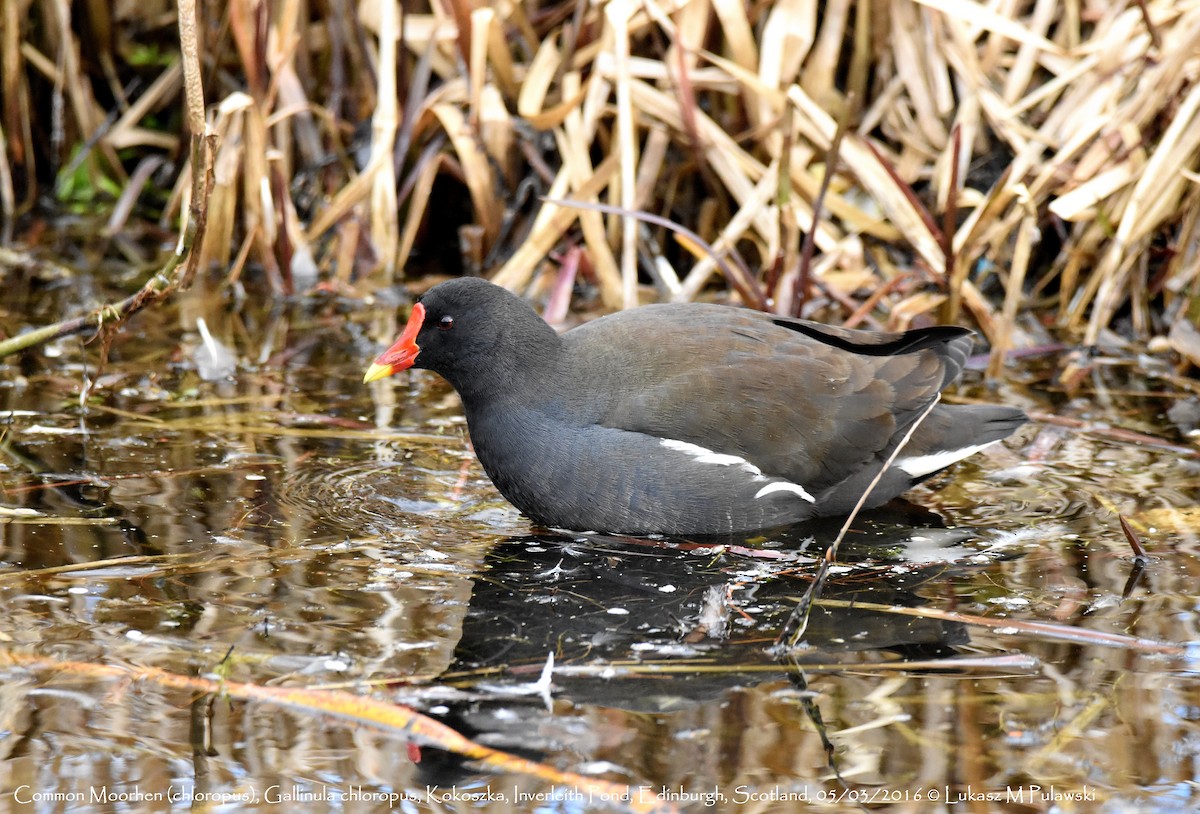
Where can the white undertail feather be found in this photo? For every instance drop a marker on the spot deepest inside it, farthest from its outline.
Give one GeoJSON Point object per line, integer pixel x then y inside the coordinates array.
{"type": "Point", "coordinates": [921, 465]}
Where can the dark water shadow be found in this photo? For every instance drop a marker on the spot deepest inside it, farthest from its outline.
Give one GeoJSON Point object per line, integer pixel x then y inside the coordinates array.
{"type": "Point", "coordinates": [655, 626]}
{"type": "Point", "coordinates": [602, 599]}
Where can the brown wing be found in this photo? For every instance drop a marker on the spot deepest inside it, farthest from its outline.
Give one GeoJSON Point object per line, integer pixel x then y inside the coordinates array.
{"type": "Point", "coordinates": [799, 401]}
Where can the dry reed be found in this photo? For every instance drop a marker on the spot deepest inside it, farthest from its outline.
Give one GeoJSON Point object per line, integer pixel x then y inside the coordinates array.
{"type": "Point", "coordinates": [1069, 192]}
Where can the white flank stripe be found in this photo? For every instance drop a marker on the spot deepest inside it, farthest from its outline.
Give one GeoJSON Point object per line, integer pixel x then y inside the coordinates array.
{"type": "Point", "coordinates": [707, 456]}
{"type": "Point", "coordinates": [924, 464]}
{"type": "Point", "coordinates": [785, 486]}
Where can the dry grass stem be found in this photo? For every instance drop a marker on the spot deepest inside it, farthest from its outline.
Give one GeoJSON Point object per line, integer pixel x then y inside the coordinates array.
{"type": "Point", "coordinates": [1082, 121]}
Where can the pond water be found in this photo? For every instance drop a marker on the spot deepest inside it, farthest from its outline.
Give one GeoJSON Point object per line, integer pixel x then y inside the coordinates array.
{"type": "Point", "coordinates": [288, 526]}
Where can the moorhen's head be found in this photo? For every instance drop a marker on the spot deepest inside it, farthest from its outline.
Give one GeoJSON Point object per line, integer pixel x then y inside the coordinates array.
{"type": "Point", "coordinates": [473, 333]}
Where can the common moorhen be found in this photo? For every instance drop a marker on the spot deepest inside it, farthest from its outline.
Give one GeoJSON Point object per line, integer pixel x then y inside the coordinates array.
{"type": "Point", "coordinates": [691, 418]}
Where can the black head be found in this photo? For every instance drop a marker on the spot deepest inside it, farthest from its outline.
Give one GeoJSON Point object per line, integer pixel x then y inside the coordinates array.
{"type": "Point", "coordinates": [473, 333]}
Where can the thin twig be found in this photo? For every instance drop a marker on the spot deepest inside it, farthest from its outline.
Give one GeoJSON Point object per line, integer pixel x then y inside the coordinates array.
{"type": "Point", "coordinates": [803, 284]}
{"type": "Point", "coordinates": [180, 267]}
{"type": "Point", "coordinates": [797, 622]}
{"type": "Point", "coordinates": [658, 220]}
{"type": "Point", "coordinates": [950, 211]}
{"type": "Point", "coordinates": [1045, 630]}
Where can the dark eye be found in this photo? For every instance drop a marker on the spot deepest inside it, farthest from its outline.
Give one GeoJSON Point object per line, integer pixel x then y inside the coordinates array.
{"type": "Point", "coordinates": [446, 323]}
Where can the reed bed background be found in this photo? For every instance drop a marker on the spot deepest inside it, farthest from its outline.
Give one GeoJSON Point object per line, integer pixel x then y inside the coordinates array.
{"type": "Point", "coordinates": [1028, 167]}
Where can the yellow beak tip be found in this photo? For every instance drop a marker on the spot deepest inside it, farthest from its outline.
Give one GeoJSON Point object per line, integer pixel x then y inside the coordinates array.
{"type": "Point", "coordinates": [376, 371]}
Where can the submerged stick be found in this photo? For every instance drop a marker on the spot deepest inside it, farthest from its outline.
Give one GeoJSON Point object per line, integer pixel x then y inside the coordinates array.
{"type": "Point", "coordinates": [1139, 551]}
{"type": "Point", "coordinates": [797, 622]}
{"type": "Point", "coordinates": [1046, 630]}
{"type": "Point", "coordinates": [392, 719]}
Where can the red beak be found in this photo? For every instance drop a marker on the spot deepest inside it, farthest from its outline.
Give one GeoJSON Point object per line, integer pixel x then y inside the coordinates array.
{"type": "Point", "coordinates": [401, 355]}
